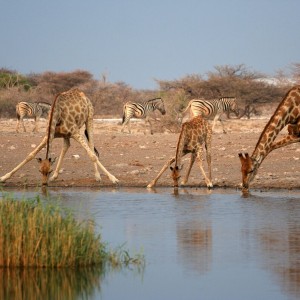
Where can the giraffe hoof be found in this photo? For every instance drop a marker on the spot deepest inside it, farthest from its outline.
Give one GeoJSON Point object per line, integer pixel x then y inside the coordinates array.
{"type": "Point", "coordinates": [114, 180]}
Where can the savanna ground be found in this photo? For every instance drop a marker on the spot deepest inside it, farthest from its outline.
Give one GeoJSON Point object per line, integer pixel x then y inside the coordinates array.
{"type": "Point", "coordinates": [135, 159]}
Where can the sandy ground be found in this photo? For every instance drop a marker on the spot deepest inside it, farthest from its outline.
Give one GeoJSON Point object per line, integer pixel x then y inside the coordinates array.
{"type": "Point", "coordinates": [135, 159]}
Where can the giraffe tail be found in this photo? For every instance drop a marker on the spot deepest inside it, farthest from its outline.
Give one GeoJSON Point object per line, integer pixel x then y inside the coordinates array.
{"type": "Point", "coordinates": [95, 149]}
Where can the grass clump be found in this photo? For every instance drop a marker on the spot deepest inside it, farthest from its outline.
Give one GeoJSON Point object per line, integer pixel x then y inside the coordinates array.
{"type": "Point", "coordinates": [35, 234]}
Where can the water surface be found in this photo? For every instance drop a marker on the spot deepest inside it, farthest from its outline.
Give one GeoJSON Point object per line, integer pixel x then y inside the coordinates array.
{"type": "Point", "coordinates": [197, 244]}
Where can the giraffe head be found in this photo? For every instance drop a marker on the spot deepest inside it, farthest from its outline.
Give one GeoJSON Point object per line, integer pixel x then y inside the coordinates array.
{"type": "Point", "coordinates": [175, 174]}
{"type": "Point", "coordinates": [45, 168]}
{"type": "Point", "coordinates": [248, 169]}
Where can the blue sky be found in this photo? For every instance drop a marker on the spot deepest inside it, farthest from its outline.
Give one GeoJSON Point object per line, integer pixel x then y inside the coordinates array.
{"type": "Point", "coordinates": [137, 41]}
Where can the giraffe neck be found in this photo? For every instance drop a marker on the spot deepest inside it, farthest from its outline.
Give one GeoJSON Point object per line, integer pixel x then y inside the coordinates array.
{"type": "Point", "coordinates": [51, 127]}
{"type": "Point", "coordinates": [180, 146]}
{"type": "Point", "coordinates": [277, 122]}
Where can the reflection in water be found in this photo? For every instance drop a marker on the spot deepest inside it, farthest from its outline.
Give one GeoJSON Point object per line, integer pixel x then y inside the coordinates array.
{"type": "Point", "coordinates": [236, 241]}
{"type": "Point", "coordinates": [280, 243]}
{"type": "Point", "coordinates": [38, 283]}
{"type": "Point", "coordinates": [195, 241]}
{"type": "Point", "coordinates": [275, 224]}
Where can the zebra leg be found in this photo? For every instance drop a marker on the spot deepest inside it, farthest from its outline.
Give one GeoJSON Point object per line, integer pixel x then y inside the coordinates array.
{"type": "Point", "coordinates": [200, 158]}
{"type": "Point", "coordinates": [192, 160]}
{"type": "Point", "coordinates": [18, 123]}
{"type": "Point", "coordinates": [25, 161]}
{"type": "Point", "coordinates": [214, 121]}
{"type": "Point", "coordinates": [77, 137]}
{"type": "Point", "coordinates": [126, 123]}
{"type": "Point", "coordinates": [22, 122]}
{"type": "Point", "coordinates": [64, 150]}
{"type": "Point", "coordinates": [164, 168]}
{"type": "Point", "coordinates": [35, 128]}
{"type": "Point", "coordinates": [147, 120]}
{"type": "Point", "coordinates": [224, 131]}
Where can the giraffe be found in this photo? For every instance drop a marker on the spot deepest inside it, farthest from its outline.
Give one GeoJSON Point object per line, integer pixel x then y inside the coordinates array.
{"type": "Point", "coordinates": [287, 113]}
{"type": "Point", "coordinates": [193, 135]}
{"type": "Point", "coordinates": [70, 111]}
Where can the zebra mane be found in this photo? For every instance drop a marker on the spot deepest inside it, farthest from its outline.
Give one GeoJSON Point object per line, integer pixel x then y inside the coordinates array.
{"type": "Point", "coordinates": [154, 99]}
{"type": "Point", "coordinates": [229, 97]}
{"type": "Point", "coordinates": [42, 102]}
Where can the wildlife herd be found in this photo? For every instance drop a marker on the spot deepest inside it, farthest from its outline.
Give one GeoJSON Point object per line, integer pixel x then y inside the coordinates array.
{"type": "Point", "coordinates": [72, 110]}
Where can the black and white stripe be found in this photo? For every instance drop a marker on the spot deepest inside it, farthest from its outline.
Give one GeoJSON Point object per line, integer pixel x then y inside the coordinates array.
{"type": "Point", "coordinates": [34, 110]}
{"type": "Point", "coordinates": [141, 110]}
{"type": "Point", "coordinates": [212, 109]}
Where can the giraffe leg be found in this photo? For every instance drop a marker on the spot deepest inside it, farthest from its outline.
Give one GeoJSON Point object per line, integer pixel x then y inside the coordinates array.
{"type": "Point", "coordinates": [25, 161]}
{"type": "Point", "coordinates": [90, 134]}
{"type": "Point", "coordinates": [93, 156]}
{"type": "Point", "coordinates": [164, 168]}
{"type": "Point", "coordinates": [200, 158]}
{"type": "Point", "coordinates": [192, 160]}
{"type": "Point", "coordinates": [63, 152]}
{"type": "Point", "coordinates": [208, 152]}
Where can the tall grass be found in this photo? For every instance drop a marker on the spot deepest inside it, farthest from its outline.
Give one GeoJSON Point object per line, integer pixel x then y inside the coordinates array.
{"type": "Point", "coordinates": [35, 234]}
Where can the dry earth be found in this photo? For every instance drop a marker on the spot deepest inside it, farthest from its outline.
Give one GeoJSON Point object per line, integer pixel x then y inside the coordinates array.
{"type": "Point", "coordinates": [135, 159]}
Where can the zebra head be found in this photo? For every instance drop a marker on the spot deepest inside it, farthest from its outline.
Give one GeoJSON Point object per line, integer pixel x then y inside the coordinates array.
{"type": "Point", "coordinates": [233, 106]}
{"type": "Point", "coordinates": [159, 105]}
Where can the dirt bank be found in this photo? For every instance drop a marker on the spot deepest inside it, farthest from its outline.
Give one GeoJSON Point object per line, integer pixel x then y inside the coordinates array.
{"type": "Point", "coordinates": [135, 159]}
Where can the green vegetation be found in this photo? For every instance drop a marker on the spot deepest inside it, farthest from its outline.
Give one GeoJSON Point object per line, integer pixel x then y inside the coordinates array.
{"type": "Point", "coordinates": [37, 234]}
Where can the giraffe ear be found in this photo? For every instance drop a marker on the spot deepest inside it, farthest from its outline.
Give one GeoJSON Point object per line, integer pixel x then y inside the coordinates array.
{"type": "Point", "coordinates": [52, 161]}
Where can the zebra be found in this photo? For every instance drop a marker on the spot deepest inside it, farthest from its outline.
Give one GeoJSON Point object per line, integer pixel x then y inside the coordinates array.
{"type": "Point", "coordinates": [141, 111]}
{"type": "Point", "coordinates": [34, 110]}
{"type": "Point", "coordinates": [212, 108]}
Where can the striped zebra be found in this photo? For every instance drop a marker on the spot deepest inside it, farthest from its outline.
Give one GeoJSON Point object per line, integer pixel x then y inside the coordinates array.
{"type": "Point", "coordinates": [141, 111]}
{"type": "Point", "coordinates": [212, 109]}
{"type": "Point", "coordinates": [34, 110]}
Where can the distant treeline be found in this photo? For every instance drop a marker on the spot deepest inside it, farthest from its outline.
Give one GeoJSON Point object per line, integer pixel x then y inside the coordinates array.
{"type": "Point", "coordinates": [249, 87]}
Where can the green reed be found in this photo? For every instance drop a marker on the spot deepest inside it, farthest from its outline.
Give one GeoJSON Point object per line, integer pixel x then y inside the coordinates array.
{"type": "Point", "coordinates": [36, 234]}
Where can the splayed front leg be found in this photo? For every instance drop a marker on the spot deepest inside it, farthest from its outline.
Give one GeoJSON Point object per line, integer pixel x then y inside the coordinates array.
{"type": "Point", "coordinates": [94, 158]}
{"type": "Point", "coordinates": [164, 168]}
{"type": "Point", "coordinates": [200, 160]}
{"type": "Point", "coordinates": [25, 161]}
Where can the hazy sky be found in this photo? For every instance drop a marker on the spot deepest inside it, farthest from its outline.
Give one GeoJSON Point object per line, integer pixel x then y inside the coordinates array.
{"type": "Point", "coordinates": [137, 41]}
